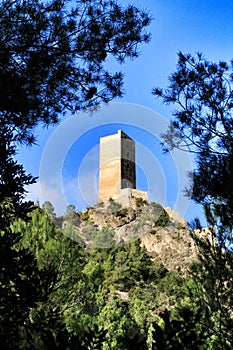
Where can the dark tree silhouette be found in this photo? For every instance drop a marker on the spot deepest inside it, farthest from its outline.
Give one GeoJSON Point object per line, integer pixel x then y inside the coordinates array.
{"type": "Point", "coordinates": [202, 124]}
{"type": "Point", "coordinates": [202, 92]}
{"type": "Point", "coordinates": [52, 60]}
{"type": "Point", "coordinates": [53, 55]}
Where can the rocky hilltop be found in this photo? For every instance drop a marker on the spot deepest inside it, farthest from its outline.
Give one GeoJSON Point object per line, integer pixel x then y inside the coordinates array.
{"type": "Point", "coordinates": [162, 232]}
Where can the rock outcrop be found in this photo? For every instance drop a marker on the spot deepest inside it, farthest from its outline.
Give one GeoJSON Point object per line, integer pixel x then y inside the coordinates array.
{"type": "Point", "coordinates": [162, 232]}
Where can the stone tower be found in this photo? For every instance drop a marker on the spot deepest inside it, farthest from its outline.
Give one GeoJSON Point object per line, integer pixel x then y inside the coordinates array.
{"type": "Point", "coordinates": [117, 165]}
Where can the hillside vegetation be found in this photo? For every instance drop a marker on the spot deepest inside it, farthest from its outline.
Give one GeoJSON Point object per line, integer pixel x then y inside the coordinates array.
{"type": "Point", "coordinates": [109, 224]}
{"type": "Point", "coordinates": [113, 278]}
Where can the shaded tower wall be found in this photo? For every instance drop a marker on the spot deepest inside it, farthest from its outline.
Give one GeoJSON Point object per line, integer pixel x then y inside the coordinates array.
{"type": "Point", "coordinates": [128, 169]}
{"type": "Point", "coordinates": [117, 165]}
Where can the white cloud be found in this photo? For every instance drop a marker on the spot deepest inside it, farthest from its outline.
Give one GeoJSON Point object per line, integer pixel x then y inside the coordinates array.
{"type": "Point", "coordinates": [33, 192]}
{"type": "Point", "coordinates": [43, 192]}
{"type": "Point", "coordinates": [81, 191]}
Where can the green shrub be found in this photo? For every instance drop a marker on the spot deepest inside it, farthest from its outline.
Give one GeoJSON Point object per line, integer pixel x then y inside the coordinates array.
{"type": "Point", "coordinates": [85, 215]}
{"type": "Point", "coordinates": [140, 202]}
{"type": "Point", "coordinates": [113, 206]}
{"type": "Point", "coordinates": [122, 213]}
{"type": "Point", "coordinates": [163, 219]}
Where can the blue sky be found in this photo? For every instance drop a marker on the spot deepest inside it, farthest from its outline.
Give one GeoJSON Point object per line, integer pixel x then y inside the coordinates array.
{"type": "Point", "coordinates": [66, 157]}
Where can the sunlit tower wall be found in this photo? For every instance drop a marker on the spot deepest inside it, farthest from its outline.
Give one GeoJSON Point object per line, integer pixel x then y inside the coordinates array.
{"type": "Point", "coordinates": [117, 165]}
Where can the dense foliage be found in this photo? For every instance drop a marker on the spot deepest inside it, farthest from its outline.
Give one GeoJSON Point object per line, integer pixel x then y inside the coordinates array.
{"type": "Point", "coordinates": [202, 91]}
{"type": "Point", "coordinates": [203, 96]}
{"type": "Point", "coordinates": [53, 55]}
{"type": "Point", "coordinates": [109, 296]}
